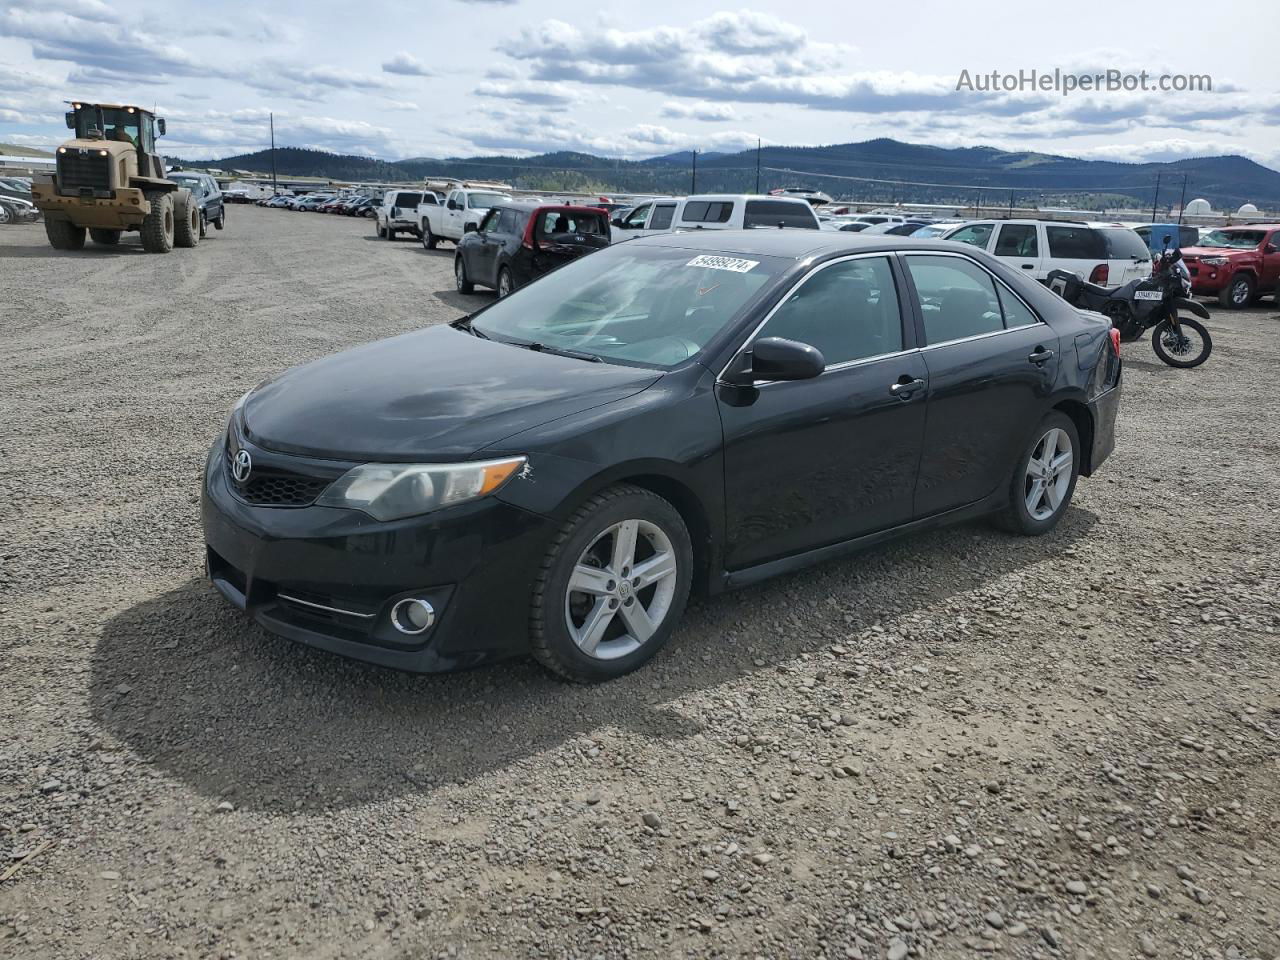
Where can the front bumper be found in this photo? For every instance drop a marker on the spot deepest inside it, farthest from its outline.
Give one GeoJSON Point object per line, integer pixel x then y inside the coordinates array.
{"type": "Point", "coordinates": [283, 566]}
{"type": "Point", "coordinates": [1209, 279]}
{"type": "Point", "coordinates": [126, 207]}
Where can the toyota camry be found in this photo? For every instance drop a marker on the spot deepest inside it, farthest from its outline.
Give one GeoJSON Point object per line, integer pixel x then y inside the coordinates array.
{"type": "Point", "coordinates": [553, 474]}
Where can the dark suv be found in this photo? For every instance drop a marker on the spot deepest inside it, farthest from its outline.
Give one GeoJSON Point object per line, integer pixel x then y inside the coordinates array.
{"type": "Point", "coordinates": [208, 196]}
{"type": "Point", "coordinates": [519, 242]}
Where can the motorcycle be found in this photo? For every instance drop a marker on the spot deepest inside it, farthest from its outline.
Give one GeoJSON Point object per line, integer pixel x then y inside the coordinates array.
{"type": "Point", "coordinates": [1148, 304]}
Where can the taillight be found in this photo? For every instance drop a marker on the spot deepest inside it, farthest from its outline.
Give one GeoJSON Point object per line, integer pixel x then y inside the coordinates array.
{"type": "Point", "coordinates": [527, 240]}
{"type": "Point", "coordinates": [1101, 273]}
{"type": "Point", "coordinates": [1115, 341]}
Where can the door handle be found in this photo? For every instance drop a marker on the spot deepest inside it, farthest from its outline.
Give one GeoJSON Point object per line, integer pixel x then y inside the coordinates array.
{"type": "Point", "coordinates": [905, 387]}
{"type": "Point", "coordinates": [1028, 266]}
{"type": "Point", "coordinates": [1040, 355]}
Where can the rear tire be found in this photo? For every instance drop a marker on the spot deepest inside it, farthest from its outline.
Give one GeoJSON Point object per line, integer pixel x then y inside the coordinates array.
{"type": "Point", "coordinates": [6, 215]}
{"type": "Point", "coordinates": [428, 238]}
{"type": "Point", "coordinates": [157, 226]}
{"type": "Point", "coordinates": [631, 622]}
{"type": "Point", "coordinates": [64, 235]}
{"type": "Point", "coordinates": [377, 228]}
{"type": "Point", "coordinates": [506, 283]}
{"type": "Point", "coordinates": [1238, 294]}
{"type": "Point", "coordinates": [104, 237]}
{"type": "Point", "coordinates": [1164, 328]}
{"type": "Point", "coordinates": [221, 221]}
{"type": "Point", "coordinates": [460, 275]}
{"type": "Point", "coordinates": [186, 220]}
{"type": "Point", "coordinates": [1042, 484]}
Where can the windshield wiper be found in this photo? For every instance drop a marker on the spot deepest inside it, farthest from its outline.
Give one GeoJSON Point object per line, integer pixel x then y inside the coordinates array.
{"type": "Point", "coordinates": [563, 352]}
{"type": "Point", "coordinates": [464, 323]}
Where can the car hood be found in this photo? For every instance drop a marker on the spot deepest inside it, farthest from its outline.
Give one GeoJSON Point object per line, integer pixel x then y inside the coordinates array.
{"type": "Point", "coordinates": [1217, 251]}
{"type": "Point", "coordinates": [431, 395]}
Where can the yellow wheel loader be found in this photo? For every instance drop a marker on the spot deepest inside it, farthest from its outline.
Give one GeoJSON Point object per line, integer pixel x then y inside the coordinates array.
{"type": "Point", "coordinates": [110, 179]}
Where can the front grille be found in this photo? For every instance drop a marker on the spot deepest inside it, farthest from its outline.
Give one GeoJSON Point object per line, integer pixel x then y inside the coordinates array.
{"type": "Point", "coordinates": [87, 171]}
{"type": "Point", "coordinates": [278, 488]}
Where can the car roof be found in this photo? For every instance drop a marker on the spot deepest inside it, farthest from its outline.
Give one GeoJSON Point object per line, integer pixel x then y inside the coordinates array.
{"type": "Point", "coordinates": [741, 196]}
{"type": "Point", "coordinates": [526, 206]}
{"type": "Point", "coordinates": [793, 244]}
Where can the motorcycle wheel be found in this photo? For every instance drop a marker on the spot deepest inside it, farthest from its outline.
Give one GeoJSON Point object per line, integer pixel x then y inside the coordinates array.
{"type": "Point", "coordinates": [1188, 347]}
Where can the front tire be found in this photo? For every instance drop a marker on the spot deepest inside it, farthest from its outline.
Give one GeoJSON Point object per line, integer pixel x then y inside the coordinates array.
{"type": "Point", "coordinates": [186, 220]}
{"type": "Point", "coordinates": [377, 228]}
{"type": "Point", "coordinates": [1178, 349]}
{"type": "Point", "coordinates": [157, 226]}
{"type": "Point", "coordinates": [64, 235]}
{"type": "Point", "coordinates": [612, 586]}
{"type": "Point", "coordinates": [1044, 477]}
{"type": "Point", "coordinates": [1238, 294]}
{"type": "Point", "coordinates": [460, 276]}
{"type": "Point", "coordinates": [104, 237]}
{"type": "Point", "coordinates": [506, 283]}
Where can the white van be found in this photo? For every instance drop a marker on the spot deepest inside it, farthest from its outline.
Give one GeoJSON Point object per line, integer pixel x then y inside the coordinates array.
{"type": "Point", "coordinates": [1105, 254]}
{"type": "Point", "coordinates": [713, 211]}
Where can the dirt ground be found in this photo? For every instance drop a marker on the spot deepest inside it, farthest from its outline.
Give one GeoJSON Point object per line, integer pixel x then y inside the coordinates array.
{"type": "Point", "coordinates": [960, 743]}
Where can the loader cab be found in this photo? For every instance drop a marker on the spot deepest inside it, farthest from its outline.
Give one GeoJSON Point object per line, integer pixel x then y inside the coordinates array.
{"type": "Point", "coordinates": [109, 124]}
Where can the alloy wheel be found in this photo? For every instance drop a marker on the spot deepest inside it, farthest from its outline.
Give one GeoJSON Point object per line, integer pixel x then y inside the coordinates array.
{"type": "Point", "coordinates": [1240, 292]}
{"type": "Point", "coordinates": [1048, 474]}
{"type": "Point", "coordinates": [504, 283]}
{"type": "Point", "coordinates": [621, 589]}
{"type": "Point", "coordinates": [459, 274]}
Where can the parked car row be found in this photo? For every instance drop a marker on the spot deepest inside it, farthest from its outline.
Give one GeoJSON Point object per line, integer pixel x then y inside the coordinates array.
{"type": "Point", "coordinates": [16, 205]}
{"type": "Point", "coordinates": [351, 205]}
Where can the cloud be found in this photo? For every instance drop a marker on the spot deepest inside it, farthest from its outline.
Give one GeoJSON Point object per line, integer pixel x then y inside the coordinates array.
{"type": "Point", "coordinates": [303, 82]}
{"type": "Point", "coordinates": [406, 64]}
{"type": "Point", "coordinates": [700, 110]}
{"type": "Point", "coordinates": [401, 105]}
{"type": "Point", "coordinates": [533, 93]}
{"type": "Point", "coordinates": [525, 132]}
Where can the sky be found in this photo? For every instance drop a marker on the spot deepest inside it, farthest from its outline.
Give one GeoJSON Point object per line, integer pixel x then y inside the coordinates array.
{"type": "Point", "coordinates": [627, 79]}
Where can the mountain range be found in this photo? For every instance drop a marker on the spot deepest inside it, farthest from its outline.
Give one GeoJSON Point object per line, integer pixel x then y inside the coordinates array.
{"type": "Point", "coordinates": [880, 170]}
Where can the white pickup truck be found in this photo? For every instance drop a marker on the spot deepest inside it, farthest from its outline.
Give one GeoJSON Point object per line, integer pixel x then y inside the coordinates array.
{"type": "Point", "coordinates": [447, 218]}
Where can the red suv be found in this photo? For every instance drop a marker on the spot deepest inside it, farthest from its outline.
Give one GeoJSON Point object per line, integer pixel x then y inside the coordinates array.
{"type": "Point", "coordinates": [1236, 264]}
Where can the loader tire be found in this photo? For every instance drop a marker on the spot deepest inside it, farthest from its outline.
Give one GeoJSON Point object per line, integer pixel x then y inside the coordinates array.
{"type": "Point", "coordinates": [186, 220]}
{"type": "Point", "coordinates": [157, 226]}
{"type": "Point", "coordinates": [64, 235]}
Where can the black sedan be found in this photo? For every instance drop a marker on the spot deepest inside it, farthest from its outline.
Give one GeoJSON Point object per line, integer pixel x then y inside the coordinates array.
{"type": "Point", "coordinates": [553, 474]}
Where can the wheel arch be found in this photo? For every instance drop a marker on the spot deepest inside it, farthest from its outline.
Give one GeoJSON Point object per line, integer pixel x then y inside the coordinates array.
{"type": "Point", "coordinates": [1080, 415]}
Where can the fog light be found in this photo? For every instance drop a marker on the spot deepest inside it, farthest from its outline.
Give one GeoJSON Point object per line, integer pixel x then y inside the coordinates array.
{"type": "Point", "coordinates": [413, 616]}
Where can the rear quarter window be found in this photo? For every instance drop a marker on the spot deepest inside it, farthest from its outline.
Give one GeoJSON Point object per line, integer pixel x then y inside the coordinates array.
{"type": "Point", "coordinates": [771, 213]}
{"type": "Point", "coordinates": [1076, 243]}
{"type": "Point", "coordinates": [559, 222]}
{"type": "Point", "coordinates": [407, 199]}
{"type": "Point", "coordinates": [1124, 244]}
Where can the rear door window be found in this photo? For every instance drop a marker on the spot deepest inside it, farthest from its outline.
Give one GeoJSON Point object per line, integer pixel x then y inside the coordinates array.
{"type": "Point", "coordinates": [772, 213]}
{"type": "Point", "coordinates": [553, 223]}
{"type": "Point", "coordinates": [1017, 240]}
{"type": "Point", "coordinates": [663, 213]}
{"type": "Point", "coordinates": [707, 211]}
{"type": "Point", "coordinates": [957, 298]}
{"type": "Point", "coordinates": [1076, 243]}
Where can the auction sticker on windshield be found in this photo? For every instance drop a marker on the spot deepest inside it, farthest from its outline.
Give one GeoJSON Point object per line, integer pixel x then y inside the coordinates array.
{"type": "Point", "coordinates": [723, 263]}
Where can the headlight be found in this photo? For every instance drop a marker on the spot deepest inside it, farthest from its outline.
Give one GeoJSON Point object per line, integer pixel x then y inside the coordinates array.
{"type": "Point", "coordinates": [1215, 261]}
{"type": "Point", "coordinates": [389, 491]}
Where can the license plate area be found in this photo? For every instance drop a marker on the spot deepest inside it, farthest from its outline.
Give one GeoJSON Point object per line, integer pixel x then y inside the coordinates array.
{"type": "Point", "coordinates": [1148, 295]}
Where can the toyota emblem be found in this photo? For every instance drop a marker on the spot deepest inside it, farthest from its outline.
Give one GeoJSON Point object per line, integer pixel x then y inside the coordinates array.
{"type": "Point", "coordinates": [241, 466]}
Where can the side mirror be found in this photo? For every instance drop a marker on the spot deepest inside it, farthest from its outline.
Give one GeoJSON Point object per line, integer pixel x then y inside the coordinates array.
{"type": "Point", "coordinates": [395, 211]}
{"type": "Point", "coordinates": [160, 125]}
{"type": "Point", "coordinates": [71, 120]}
{"type": "Point", "coordinates": [774, 358]}
{"type": "Point", "coordinates": [616, 221]}
{"type": "Point", "coordinates": [1167, 238]}
{"type": "Point", "coordinates": [470, 227]}
{"type": "Point", "coordinates": [1272, 247]}
{"type": "Point", "coordinates": [451, 205]}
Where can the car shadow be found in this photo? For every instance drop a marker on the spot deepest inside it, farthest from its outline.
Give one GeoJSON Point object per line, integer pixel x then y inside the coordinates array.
{"type": "Point", "coordinates": [90, 249]}
{"type": "Point", "coordinates": [466, 302]}
{"type": "Point", "coordinates": [188, 683]}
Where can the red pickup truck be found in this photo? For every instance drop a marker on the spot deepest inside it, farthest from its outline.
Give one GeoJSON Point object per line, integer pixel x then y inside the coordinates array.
{"type": "Point", "coordinates": [1236, 264]}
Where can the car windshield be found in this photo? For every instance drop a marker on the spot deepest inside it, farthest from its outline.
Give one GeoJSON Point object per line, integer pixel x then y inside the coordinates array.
{"type": "Point", "coordinates": [652, 306]}
{"type": "Point", "coordinates": [482, 201]}
{"type": "Point", "coordinates": [1239, 239]}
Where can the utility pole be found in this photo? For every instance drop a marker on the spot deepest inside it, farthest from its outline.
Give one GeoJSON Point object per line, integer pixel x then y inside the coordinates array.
{"type": "Point", "coordinates": [1010, 204]}
{"type": "Point", "coordinates": [757, 164]}
{"type": "Point", "coordinates": [1182, 204]}
{"type": "Point", "coordinates": [693, 180]}
{"type": "Point", "coordinates": [275, 185]}
{"type": "Point", "coordinates": [1156, 199]}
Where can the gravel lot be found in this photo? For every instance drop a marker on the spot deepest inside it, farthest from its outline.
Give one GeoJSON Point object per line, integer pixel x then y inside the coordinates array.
{"type": "Point", "coordinates": [963, 742]}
